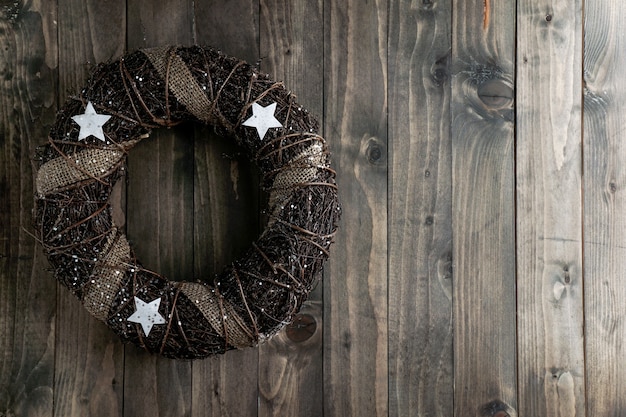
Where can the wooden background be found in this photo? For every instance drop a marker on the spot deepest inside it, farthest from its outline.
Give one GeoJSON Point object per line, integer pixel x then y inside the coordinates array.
{"type": "Point", "coordinates": [479, 269]}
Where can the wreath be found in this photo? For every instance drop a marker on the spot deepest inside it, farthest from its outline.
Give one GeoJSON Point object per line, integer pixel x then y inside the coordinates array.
{"type": "Point", "coordinates": [85, 156]}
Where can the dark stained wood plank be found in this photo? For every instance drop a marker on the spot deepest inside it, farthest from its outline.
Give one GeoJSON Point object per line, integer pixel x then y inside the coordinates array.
{"type": "Point", "coordinates": [420, 196]}
{"type": "Point", "coordinates": [355, 293]}
{"type": "Point", "coordinates": [292, 48]}
{"type": "Point", "coordinates": [605, 207]}
{"type": "Point", "coordinates": [226, 193]}
{"type": "Point", "coordinates": [226, 212]}
{"type": "Point", "coordinates": [28, 63]}
{"type": "Point", "coordinates": [231, 26]}
{"type": "Point", "coordinates": [160, 207]}
{"type": "Point", "coordinates": [89, 357]}
{"type": "Point", "coordinates": [86, 39]}
{"type": "Point", "coordinates": [549, 210]}
{"type": "Point", "coordinates": [160, 202]}
{"type": "Point", "coordinates": [226, 222]}
{"type": "Point", "coordinates": [291, 364]}
{"type": "Point", "coordinates": [483, 207]}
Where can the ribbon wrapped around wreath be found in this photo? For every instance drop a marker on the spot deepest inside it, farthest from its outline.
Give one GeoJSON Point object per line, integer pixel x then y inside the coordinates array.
{"type": "Point", "coordinates": [85, 156]}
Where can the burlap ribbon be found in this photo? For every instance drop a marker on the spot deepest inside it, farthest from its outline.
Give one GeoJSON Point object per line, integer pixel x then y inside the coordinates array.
{"type": "Point", "coordinates": [180, 81]}
{"type": "Point", "coordinates": [106, 278]}
{"type": "Point", "coordinates": [70, 169]}
{"type": "Point", "coordinates": [302, 169]}
{"type": "Point", "coordinates": [219, 313]}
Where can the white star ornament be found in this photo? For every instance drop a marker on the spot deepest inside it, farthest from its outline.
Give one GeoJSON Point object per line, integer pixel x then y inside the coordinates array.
{"type": "Point", "coordinates": [91, 123]}
{"type": "Point", "coordinates": [147, 314]}
{"type": "Point", "coordinates": [262, 119]}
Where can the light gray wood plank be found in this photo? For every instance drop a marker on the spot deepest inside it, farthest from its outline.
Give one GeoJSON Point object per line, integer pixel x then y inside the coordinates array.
{"type": "Point", "coordinates": [483, 207]}
{"type": "Point", "coordinates": [420, 196]}
{"type": "Point", "coordinates": [604, 206]}
{"type": "Point", "coordinates": [355, 122]}
{"type": "Point", "coordinates": [549, 209]}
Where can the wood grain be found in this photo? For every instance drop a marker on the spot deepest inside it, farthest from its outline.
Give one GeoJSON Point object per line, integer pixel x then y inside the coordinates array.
{"type": "Point", "coordinates": [28, 64]}
{"type": "Point", "coordinates": [160, 209]}
{"type": "Point", "coordinates": [476, 272]}
{"type": "Point", "coordinates": [89, 357]}
{"type": "Point", "coordinates": [226, 200]}
{"type": "Point", "coordinates": [355, 122]}
{"type": "Point", "coordinates": [420, 227]}
{"type": "Point", "coordinates": [549, 211]}
{"type": "Point", "coordinates": [232, 26]}
{"type": "Point", "coordinates": [226, 197]}
{"type": "Point", "coordinates": [604, 207]}
{"type": "Point", "coordinates": [483, 208]}
{"type": "Point", "coordinates": [291, 371]}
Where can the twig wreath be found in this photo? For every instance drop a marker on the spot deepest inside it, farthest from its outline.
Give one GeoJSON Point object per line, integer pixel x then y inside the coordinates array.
{"type": "Point", "coordinates": [85, 156]}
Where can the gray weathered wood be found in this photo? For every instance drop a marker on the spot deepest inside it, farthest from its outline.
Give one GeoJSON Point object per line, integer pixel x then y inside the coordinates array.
{"type": "Point", "coordinates": [355, 296]}
{"type": "Point", "coordinates": [28, 64]}
{"type": "Point", "coordinates": [605, 207]}
{"type": "Point", "coordinates": [291, 365]}
{"type": "Point", "coordinates": [89, 357]}
{"type": "Point", "coordinates": [420, 231]}
{"type": "Point", "coordinates": [455, 286]}
{"type": "Point", "coordinates": [483, 207]}
{"type": "Point", "coordinates": [549, 212]}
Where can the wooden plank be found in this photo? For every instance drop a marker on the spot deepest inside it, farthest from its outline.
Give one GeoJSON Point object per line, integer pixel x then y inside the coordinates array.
{"type": "Point", "coordinates": [355, 294]}
{"type": "Point", "coordinates": [605, 207]}
{"type": "Point", "coordinates": [231, 26]}
{"type": "Point", "coordinates": [483, 207]}
{"type": "Point", "coordinates": [291, 364]}
{"type": "Point", "coordinates": [420, 201]}
{"type": "Point", "coordinates": [549, 212]}
{"type": "Point", "coordinates": [89, 357]}
{"type": "Point", "coordinates": [226, 221]}
{"type": "Point", "coordinates": [226, 212]}
{"type": "Point", "coordinates": [28, 63]}
{"type": "Point", "coordinates": [160, 214]}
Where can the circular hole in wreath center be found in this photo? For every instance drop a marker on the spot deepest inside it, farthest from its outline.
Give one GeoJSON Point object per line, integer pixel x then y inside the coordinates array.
{"type": "Point", "coordinates": [192, 202]}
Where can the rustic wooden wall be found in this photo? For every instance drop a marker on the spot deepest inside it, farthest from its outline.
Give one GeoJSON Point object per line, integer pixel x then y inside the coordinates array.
{"type": "Point", "coordinates": [481, 161]}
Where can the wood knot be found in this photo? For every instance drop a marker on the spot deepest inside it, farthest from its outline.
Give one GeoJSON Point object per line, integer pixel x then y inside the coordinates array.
{"type": "Point", "coordinates": [439, 71]}
{"type": "Point", "coordinates": [496, 94]}
{"type": "Point", "coordinates": [489, 91]}
{"type": "Point", "coordinates": [426, 4]}
{"type": "Point", "coordinates": [374, 152]}
{"type": "Point", "coordinates": [497, 408]}
{"type": "Point", "coordinates": [301, 328]}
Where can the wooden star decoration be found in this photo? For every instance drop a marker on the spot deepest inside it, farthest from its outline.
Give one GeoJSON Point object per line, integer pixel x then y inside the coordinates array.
{"type": "Point", "coordinates": [262, 119]}
{"type": "Point", "coordinates": [147, 314]}
{"type": "Point", "coordinates": [91, 123]}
